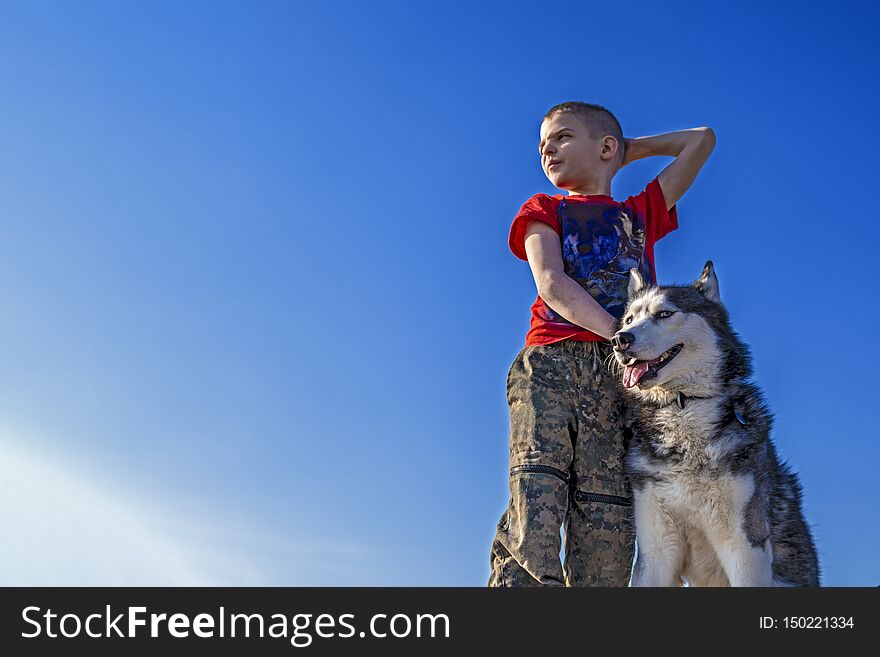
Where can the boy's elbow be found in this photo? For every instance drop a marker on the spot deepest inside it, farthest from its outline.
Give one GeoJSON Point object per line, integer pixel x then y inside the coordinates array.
{"type": "Point", "coordinates": [548, 285]}
{"type": "Point", "coordinates": [708, 136]}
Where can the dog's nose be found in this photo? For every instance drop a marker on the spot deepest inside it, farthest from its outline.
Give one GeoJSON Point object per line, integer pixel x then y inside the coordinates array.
{"type": "Point", "coordinates": [622, 340]}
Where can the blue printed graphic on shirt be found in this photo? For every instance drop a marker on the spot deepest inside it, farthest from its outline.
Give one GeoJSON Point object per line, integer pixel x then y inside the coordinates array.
{"type": "Point", "coordinates": [601, 242]}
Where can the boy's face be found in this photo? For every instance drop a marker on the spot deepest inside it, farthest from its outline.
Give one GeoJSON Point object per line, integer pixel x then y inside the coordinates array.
{"type": "Point", "coordinates": [570, 157]}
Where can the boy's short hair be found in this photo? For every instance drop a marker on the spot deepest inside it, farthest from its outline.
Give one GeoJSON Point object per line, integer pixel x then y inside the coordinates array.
{"type": "Point", "coordinates": [599, 120]}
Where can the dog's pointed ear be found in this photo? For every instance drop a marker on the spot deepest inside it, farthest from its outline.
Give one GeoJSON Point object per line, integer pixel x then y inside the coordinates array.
{"type": "Point", "coordinates": [636, 282]}
{"type": "Point", "coordinates": [707, 283]}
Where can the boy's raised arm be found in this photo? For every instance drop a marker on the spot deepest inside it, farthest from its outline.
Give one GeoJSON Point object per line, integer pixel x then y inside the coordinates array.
{"type": "Point", "coordinates": [690, 148]}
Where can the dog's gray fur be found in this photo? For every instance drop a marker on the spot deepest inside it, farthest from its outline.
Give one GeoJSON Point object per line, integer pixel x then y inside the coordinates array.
{"type": "Point", "coordinates": [714, 506]}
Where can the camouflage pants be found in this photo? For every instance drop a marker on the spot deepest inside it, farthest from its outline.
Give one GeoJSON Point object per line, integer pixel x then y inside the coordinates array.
{"type": "Point", "coordinates": [567, 440]}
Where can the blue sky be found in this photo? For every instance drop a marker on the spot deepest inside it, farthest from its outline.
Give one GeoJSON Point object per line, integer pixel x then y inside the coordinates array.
{"type": "Point", "coordinates": [258, 300]}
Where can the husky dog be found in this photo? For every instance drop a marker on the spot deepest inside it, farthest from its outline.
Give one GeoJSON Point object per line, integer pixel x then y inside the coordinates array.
{"type": "Point", "coordinates": [714, 506]}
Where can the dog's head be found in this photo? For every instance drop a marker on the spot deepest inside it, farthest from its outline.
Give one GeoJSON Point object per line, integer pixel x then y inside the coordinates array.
{"type": "Point", "coordinates": [677, 338]}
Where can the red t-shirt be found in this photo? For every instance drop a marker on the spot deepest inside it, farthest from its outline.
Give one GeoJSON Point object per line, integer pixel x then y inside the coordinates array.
{"type": "Point", "coordinates": [602, 239]}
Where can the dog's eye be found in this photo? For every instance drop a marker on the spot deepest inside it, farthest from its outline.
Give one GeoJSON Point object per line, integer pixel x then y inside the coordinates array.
{"type": "Point", "coordinates": [663, 314]}
{"type": "Point", "coordinates": [628, 320]}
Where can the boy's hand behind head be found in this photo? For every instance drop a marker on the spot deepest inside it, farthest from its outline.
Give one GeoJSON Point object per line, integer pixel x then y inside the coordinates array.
{"type": "Point", "coordinates": [627, 152]}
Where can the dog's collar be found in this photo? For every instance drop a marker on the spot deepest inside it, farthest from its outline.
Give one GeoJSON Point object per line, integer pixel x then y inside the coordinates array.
{"type": "Point", "coordinates": [680, 399]}
{"type": "Point", "coordinates": [738, 410]}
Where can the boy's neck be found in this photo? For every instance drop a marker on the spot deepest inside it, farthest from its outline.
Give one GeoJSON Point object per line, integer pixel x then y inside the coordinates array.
{"type": "Point", "coordinates": [592, 188]}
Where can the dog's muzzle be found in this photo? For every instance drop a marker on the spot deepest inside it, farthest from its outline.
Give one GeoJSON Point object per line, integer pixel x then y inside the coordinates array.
{"type": "Point", "coordinates": [621, 340]}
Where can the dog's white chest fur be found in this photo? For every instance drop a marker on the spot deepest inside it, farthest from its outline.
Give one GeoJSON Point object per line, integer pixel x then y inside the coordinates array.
{"type": "Point", "coordinates": [687, 430]}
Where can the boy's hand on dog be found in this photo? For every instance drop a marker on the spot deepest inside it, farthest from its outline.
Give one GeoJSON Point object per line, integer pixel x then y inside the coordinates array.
{"type": "Point", "coordinates": [627, 152]}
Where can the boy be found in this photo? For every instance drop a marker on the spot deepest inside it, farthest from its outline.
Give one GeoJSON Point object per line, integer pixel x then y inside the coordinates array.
{"type": "Point", "coordinates": [567, 424]}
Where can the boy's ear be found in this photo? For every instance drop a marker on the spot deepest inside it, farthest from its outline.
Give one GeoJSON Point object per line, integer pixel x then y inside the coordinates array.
{"type": "Point", "coordinates": [636, 283]}
{"type": "Point", "coordinates": [608, 151]}
{"type": "Point", "coordinates": [707, 283]}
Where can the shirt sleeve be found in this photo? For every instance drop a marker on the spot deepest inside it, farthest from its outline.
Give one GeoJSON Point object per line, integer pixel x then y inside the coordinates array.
{"type": "Point", "coordinates": [540, 207]}
{"type": "Point", "coordinates": [651, 204]}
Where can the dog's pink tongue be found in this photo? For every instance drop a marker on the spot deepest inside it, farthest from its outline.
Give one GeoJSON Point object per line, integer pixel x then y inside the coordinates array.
{"type": "Point", "coordinates": [633, 373]}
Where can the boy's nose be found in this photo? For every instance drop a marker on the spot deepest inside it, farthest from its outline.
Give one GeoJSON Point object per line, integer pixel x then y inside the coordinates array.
{"type": "Point", "coordinates": [621, 340]}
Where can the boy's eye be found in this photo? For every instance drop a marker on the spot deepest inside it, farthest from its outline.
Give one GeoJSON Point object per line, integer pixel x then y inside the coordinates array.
{"type": "Point", "coordinates": [564, 134]}
{"type": "Point", "coordinates": [664, 314]}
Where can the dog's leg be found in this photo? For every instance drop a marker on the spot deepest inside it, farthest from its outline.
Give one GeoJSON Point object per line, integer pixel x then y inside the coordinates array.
{"type": "Point", "coordinates": [739, 535]}
{"type": "Point", "coordinates": [745, 564]}
{"type": "Point", "coordinates": [660, 545]}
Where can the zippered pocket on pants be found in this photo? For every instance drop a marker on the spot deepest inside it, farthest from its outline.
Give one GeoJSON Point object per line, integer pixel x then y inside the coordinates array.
{"type": "Point", "coordinates": [540, 469]}
{"type": "Point", "coordinates": [582, 496]}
